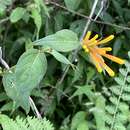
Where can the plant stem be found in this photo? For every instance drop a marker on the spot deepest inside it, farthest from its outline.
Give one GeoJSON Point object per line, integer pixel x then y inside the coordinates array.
{"type": "Point", "coordinates": [87, 17]}
{"type": "Point", "coordinates": [89, 20]}
{"type": "Point", "coordinates": [4, 20]}
{"type": "Point", "coordinates": [34, 108]}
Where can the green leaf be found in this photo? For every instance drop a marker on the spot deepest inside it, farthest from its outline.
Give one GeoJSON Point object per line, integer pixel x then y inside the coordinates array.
{"type": "Point", "coordinates": [114, 100]}
{"type": "Point", "coordinates": [83, 126]}
{"type": "Point", "coordinates": [107, 17]}
{"type": "Point", "coordinates": [129, 2]}
{"type": "Point", "coordinates": [3, 96]}
{"type": "Point", "coordinates": [59, 20]}
{"type": "Point", "coordinates": [78, 119]}
{"type": "Point", "coordinates": [17, 14]}
{"type": "Point", "coordinates": [110, 109]}
{"type": "Point", "coordinates": [28, 123]}
{"type": "Point", "coordinates": [7, 107]}
{"type": "Point", "coordinates": [120, 80]}
{"type": "Point", "coordinates": [40, 3]}
{"type": "Point", "coordinates": [78, 72]}
{"type": "Point", "coordinates": [119, 126]}
{"type": "Point", "coordinates": [61, 58]}
{"type": "Point", "coordinates": [118, 7]}
{"type": "Point", "coordinates": [72, 4]}
{"type": "Point", "coordinates": [115, 90]}
{"type": "Point", "coordinates": [126, 97]}
{"type": "Point", "coordinates": [28, 73]}
{"type": "Point", "coordinates": [3, 6]}
{"type": "Point", "coordinates": [117, 46]}
{"type": "Point", "coordinates": [6, 2]}
{"type": "Point", "coordinates": [129, 54]}
{"type": "Point", "coordinates": [64, 41]}
{"type": "Point", "coordinates": [78, 26]}
{"type": "Point", "coordinates": [100, 110]}
{"type": "Point", "coordinates": [108, 118]}
{"type": "Point", "coordinates": [37, 19]}
{"type": "Point", "coordinates": [2, 9]}
{"type": "Point", "coordinates": [13, 91]}
{"type": "Point", "coordinates": [121, 118]}
{"type": "Point", "coordinates": [31, 68]}
{"type": "Point", "coordinates": [84, 90]}
{"type": "Point", "coordinates": [128, 79]}
{"type": "Point", "coordinates": [123, 71]}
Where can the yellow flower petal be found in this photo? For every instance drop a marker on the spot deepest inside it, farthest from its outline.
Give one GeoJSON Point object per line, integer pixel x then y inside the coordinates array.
{"type": "Point", "coordinates": [87, 35]}
{"type": "Point", "coordinates": [100, 50]}
{"type": "Point", "coordinates": [96, 62]}
{"type": "Point", "coordinates": [107, 48]}
{"type": "Point", "coordinates": [97, 53]}
{"type": "Point", "coordinates": [109, 38]}
{"type": "Point", "coordinates": [85, 48]}
{"type": "Point", "coordinates": [94, 38]}
{"type": "Point", "coordinates": [109, 70]}
{"type": "Point", "coordinates": [104, 66]}
{"type": "Point", "coordinates": [115, 59]}
{"type": "Point", "coordinates": [92, 41]}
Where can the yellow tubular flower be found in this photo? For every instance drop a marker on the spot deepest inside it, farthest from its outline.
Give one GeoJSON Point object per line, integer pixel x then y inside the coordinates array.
{"type": "Point", "coordinates": [87, 36]}
{"type": "Point", "coordinates": [97, 53]}
{"type": "Point", "coordinates": [96, 62]}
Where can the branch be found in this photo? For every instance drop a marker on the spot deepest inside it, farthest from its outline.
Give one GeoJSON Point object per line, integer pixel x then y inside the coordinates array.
{"type": "Point", "coordinates": [89, 20]}
{"type": "Point", "coordinates": [4, 20]}
{"type": "Point", "coordinates": [87, 17]}
{"type": "Point", "coordinates": [34, 108]}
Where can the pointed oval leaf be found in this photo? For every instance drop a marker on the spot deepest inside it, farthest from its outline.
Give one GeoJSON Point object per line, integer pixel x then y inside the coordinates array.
{"type": "Point", "coordinates": [31, 68]}
{"type": "Point", "coordinates": [64, 41]}
{"type": "Point", "coordinates": [28, 73]}
{"type": "Point", "coordinates": [61, 58]}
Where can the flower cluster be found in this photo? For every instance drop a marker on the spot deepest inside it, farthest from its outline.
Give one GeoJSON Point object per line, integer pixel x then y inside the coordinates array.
{"type": "Point", "coordinates": [91, 46]}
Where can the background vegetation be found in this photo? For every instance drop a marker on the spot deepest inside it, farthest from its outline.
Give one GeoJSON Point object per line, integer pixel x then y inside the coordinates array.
{"type": "Point", "coordinates": [45, 74]}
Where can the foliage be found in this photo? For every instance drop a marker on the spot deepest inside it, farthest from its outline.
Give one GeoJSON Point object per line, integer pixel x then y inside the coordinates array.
{"type": "Point", "coordinates": [42, 59]}
{"type": "Point", "coordinates": [118, 108]}
{"type": "Point", "coordinates": [29, 123]}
